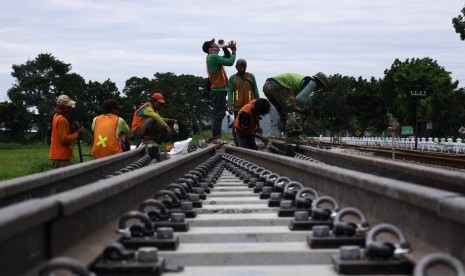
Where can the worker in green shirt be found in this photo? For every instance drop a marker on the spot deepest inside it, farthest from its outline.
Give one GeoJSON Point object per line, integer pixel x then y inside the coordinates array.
{"type": "Point", "coordinates": [218, 82]}
{"type": "Point", "coordinates": [242, 88]}
{"type": "Point", "coordinates": [290, 94]}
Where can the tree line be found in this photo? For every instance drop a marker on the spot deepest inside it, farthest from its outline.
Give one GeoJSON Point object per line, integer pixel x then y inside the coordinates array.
{"type": "Point", "coordinates": [348, 104]}
{"type": "Point", "coordinates": [40, 81]}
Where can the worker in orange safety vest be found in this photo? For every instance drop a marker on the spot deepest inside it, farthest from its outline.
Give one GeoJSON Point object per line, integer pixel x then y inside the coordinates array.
{"type": "Point", "coordinates": [62, 137]}
{"type": "Point", "coordinates": [247, 124]}
{"type": "Point", "coordinates": [242, 88]}
{"type": "Point", "coordinates": [109, 130]}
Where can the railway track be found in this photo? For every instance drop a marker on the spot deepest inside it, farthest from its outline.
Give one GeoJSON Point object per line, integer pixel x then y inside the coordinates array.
{"type": "Point", "coordinates": [235, 231]}
{"type": "Point", "coordinates": [448, 180]}
{"type": "Point", "coordinates": [449, 160]}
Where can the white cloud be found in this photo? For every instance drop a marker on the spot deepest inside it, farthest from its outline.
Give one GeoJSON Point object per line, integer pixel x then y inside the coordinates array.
{"type": "Point", "coordinates": [119, 39]}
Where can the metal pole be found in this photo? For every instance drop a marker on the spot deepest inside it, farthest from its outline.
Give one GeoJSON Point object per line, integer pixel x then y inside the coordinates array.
{"type": "Point", "coordinates": [394, 127]}
{"type": "Point", "coordinates": [417, 94]}
{"type": "Point", "coordinates": [393, 136]}
{"type": "Point", "coordinates": [79, 149]}
{"type": "Point", "coordinates": [416, 125]}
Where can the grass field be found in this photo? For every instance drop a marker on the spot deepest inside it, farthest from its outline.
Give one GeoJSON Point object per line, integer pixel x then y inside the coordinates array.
{"type": "Point", "coordinates": [18, 160]}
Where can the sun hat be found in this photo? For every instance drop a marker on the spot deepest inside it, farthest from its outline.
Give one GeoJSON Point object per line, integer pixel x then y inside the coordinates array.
{"type": "Point", "coordinates": [65, 100]}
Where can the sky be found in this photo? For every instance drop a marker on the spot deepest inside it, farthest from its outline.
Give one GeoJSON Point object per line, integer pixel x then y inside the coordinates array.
{"type": "Point", "coordinates": [117, 40]}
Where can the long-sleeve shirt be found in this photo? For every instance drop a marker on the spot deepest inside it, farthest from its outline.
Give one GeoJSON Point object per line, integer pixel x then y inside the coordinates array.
{"type": "Point", "coordinates": [148, 111]}
{"type": "Point", "coordinates": [64, 134]}
{"type": "Point", "coordinates": [215, 61]}
{"type": "Point", "coordinates": [232, 87]}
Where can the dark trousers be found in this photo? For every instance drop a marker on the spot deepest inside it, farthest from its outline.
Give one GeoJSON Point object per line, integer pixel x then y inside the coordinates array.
{"type": "Point", "coordinates": [243, 140]}
{"type": "Point", "coordinates": [218, 101]}
{"type": "Point", "coordinates": [149, 130]}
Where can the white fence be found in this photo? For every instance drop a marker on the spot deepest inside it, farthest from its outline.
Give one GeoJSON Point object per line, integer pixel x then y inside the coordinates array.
{"type": "Point", "coordinates": [424, 144]}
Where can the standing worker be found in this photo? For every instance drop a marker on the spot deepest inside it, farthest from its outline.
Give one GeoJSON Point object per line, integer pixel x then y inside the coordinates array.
{"type": "Point", "coordinates": [219, 82]}
{"type": "Point", "coordinates": [242, 88]}
{"type": "Point", "coordinates": [108, 130]}
{"type": "Point", "coordinates": [147, 124]}
{"type": "Point", "coordinates": [290, 94]}
{"type": "Point", "coordinates": [61, 148]}
{"type": "Point", "coordinates": [247, 124]}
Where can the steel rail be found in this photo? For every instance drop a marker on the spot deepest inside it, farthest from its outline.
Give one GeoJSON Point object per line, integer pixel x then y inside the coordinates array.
{"type": "Point", "coordinates": [80, 222]}
{"type": "Point", "coordinates": [448, 180]}
{"type": "Point", "coordinates": [423, 213]}
{"type": "Point", "coordinates": [44, 184]}
{"type": "Point", "coordinates": [434, 158]}
{"type": "Point", "coordinates": [451, 161]}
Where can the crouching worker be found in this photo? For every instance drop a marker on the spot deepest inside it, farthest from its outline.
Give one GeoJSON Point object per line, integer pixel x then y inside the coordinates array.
{"type": "Point", "coordinates": [110, 131]}
{"type": "Point", "coordinates": [247, 124]}
{"type": "Point", "coordinates": [147, 124]}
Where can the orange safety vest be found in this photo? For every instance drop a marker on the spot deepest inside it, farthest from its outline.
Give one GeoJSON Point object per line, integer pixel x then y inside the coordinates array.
{"type": "Point", "coordinates": [137, 120]}
{"type": "Point", "coordinates": [254, 118]}
{"type": "Point", "coordinates": [217, 79]}
{"type": "Point", "coordinates": [59, 151]}
{"type": "Point", "coordinates": [105, 141]}
{"type": "Point", "coordinates": [243, 94]}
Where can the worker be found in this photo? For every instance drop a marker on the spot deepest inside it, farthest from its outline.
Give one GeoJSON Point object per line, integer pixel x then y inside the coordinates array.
{"type": "Point", "coordinates": [290, 94]}
{"type": "Point", "coordinates": [110, 131]}
{"type": "Point", "coordinates": [247, 124]}
{"type": "Point", "coordinates": [242, 88]}
{"type": "Point", "coordinates": [219, 82]}
{"type": "Point", "coordinates": [62, 137]}
{"type": "Point", "coordinates": [147, 124]}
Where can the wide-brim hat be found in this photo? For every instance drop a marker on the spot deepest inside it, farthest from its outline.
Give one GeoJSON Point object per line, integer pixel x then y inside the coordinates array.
{"type": "Point", "coordinates": [206, 45]}
{"type": "Point", "coordinates": [65, 100]}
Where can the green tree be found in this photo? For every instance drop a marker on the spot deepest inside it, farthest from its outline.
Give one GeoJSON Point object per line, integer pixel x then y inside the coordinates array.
{"type": "Point", "coordinates": [40, 81]}
{"type": "Point", "coordinates": [137, 89]}
{"type": "Point", "coordinates": [459, 24]}
{"type": "Point", "coordinates": [91, 101]}
{"type": "Point", "coordinates": [331, 109]}
{"type": "Point", "coordinates": [414, 75]}
{"type": "Point", "coordinates": [369, 106]}
{"type": "Point", "coordinates": [16, 117]}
